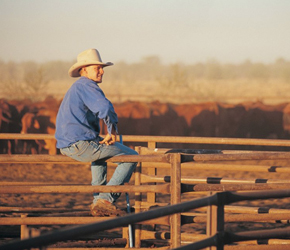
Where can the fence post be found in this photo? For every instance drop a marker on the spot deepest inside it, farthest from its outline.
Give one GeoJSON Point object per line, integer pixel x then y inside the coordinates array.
{"type": "Point", "coordinates": [138, 201]}
{"type": "Point", "coordinates": [151, 197]}
{"type": "Point", "coordinates": [215, 222]}
{"type": "Point", "coordinates": [24, 232]}
{"type": "Point", "coordinates": [175, 219]}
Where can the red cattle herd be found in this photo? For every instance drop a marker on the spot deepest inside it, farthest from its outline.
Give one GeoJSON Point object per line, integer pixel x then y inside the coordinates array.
{"type": "Point", "coordinates": [244, 120]}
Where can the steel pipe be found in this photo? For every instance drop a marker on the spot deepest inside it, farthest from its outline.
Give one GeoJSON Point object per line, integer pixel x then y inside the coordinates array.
{"type": "Point", "coordinates": [250, 210]}
{"type": "Point", "coordinates": [233, 187]}
{"type": "Point", "coordinates": [225, 167]}
{"type": "Point", "coordinates": [238, 157]}
{"type": "Point", "coordinates": [256, 210]}
{"type": "Point", "coordinates": [166, 236]}
{"type": "Point", "coordinates": [282, 246]}
{"type": "Point", "coordinates": [150, 151]}
{"type": "Point", "coordinates": [208, 180]}
{"type": "Point", "coordinates": [280, 233]}
{"type": "Point", "coordinates": [226, 197]}
{"type": "Point", "coordinates": [71, 233]}
{"type": "Point", "coordinates": [273, 218]}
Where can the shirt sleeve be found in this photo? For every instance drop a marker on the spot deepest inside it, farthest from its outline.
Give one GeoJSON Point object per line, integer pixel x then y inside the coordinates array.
{"type": "Point", "coordinates": [95, 100]}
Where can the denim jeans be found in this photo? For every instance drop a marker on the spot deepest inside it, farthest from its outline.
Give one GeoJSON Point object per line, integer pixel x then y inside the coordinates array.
{"type": "Point", "coordinates": [92, 151]}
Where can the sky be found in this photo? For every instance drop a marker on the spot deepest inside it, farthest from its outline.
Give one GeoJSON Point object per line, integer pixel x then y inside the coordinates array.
{"type": "Point", "coordinates": [186, 31]}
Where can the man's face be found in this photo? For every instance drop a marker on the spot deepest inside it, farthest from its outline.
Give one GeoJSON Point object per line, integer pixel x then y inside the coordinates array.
{"type": "Point", "coordinates": [94, 72]}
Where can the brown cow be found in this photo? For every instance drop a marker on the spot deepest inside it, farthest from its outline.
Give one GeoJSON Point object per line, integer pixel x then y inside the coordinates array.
{"type": "Point", "coordinates": [39, 122]}
{"type": "Point", "coordinates": [9, 123]}
{"type": "Point", "coordinates": [200, 118]}
{"type": "Point", "coordinates": [155, 118]}
{"type": "Point", "coordinates": [41, 119]}
{"type": "Point", "coordinates": [249, 119]}
{"type": "Point", "coordinates": [165, 121]}
{"type": "Point", "coordinates": [231, 121]}
{"type": "Point", "coordinates": [286, 118]}
{"type": "Point", "coordinates": [134, 118]}
{"type": "Point", "coordinates": [265, 121]}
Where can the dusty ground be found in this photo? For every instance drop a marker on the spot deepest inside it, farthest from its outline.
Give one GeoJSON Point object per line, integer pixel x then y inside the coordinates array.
{"type": "Point", "coordinates": [56, 174]}
{"type": "Point", "coordinates": [80, 174]}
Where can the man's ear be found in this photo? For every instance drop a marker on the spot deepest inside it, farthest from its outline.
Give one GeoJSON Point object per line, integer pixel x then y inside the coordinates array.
{"type": "Point", "coordinates": [83, 71]}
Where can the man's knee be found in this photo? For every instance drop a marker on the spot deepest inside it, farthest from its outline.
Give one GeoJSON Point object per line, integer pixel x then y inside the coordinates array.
{"type": "Point", "coordinates": [131, 151]}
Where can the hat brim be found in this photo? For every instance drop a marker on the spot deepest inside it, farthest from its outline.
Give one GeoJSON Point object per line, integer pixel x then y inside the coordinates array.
{"type": "Point", "coordinates": [74, 70]}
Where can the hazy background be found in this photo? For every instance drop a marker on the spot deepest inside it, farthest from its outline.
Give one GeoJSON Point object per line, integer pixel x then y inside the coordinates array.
{"type": "Point", "coordinates": [175, 30]}
{"type": "Point", "coordinates": [195, 47]}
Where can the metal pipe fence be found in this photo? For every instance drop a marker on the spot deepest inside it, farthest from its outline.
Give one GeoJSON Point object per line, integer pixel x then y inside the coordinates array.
{"type": "Point", "coordinates": [72, 233]}
{"type": "Point", "coordinates": [218, 239]}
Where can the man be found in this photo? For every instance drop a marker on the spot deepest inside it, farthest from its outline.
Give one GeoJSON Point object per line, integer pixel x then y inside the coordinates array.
{"type": "Point", "coordinates": [78, 128]}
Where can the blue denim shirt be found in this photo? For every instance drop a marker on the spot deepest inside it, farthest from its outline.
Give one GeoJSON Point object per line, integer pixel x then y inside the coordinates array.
{"type": "Point", "coordinates": [79, 113]}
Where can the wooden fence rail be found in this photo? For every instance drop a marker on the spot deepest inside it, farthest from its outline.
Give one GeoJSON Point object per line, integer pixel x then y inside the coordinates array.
{"type": "Point", "coordinates": [173, 184]}
{"type": "Point", "coordinates": [167, 139]}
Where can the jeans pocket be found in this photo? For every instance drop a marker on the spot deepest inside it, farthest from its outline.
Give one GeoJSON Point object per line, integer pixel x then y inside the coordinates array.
{"type": "Point", "coordinates": [86, 151]}
{"type": "Point", "coordinates": [80, 147]}
{"type": "Point", "coordinates": [76, 149]}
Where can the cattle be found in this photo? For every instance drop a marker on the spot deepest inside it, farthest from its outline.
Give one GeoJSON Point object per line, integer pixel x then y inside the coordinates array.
{"type": "Point", "coordinates": [244, 120]}
{"type": "Point", "coordinates": [5, 119]}
{"type": "Point", "coordinates": [166, 121]}
{"type": "Point", "coordinates": [201, 118]}
{"type": "Point", "coordinates": [40, 118]}
{"type": "Point", "coordinates": [286, 118]}
{"type": "Point", "coordinates": [251, 120]}
{"type": "Point", "coordinates": [134, 118]}
{"type": "Point", "coordinates": [40, 121]}
{"type": "Point", "coordinates": [265, 121]}
{"type": "Point", "coordinates": [154, 118]}
{"type": "Point", "coordinates": [30, 125]}
{"type": "Point", "coordinates": [231, 121]}
{"type": "Point", "coordinates": [10, 122]}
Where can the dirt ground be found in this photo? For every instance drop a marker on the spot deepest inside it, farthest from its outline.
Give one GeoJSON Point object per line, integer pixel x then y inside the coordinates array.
{"type": "Point", "coordinates": [80, 174]}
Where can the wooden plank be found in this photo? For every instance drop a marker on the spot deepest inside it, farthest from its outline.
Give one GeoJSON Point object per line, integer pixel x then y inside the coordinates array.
{"type": "Point", "coordinates": [162, 188]}
{"type": "Point", "coordinates": [175, 219]}
{"type": "Point", "coordinates": [17, 158]}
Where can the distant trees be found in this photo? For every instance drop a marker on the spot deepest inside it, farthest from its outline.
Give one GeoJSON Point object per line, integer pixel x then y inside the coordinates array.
{"type": "Point", "coordinates": [174, 76]}
{"type": "Point", "coordinates": [35, 81]}
{"type": "Point", "coordinates": [11, 79]}
{"type": "Point", "coordinates": [213, 70]}
{"type": "Point", "coordinates": [31, 79]}
{"type": "Point", "coordinates": [151, 68]}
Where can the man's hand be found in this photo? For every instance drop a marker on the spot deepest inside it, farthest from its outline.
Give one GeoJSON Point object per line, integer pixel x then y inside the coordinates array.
{"type": "Point", "coordinates": [109, 139]}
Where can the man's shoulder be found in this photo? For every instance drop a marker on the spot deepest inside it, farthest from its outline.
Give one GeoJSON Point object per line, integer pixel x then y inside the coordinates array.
{"type": "Point", "coordinates": [80, 84]}
{"type": "Point", "coordinates": [84, 81]}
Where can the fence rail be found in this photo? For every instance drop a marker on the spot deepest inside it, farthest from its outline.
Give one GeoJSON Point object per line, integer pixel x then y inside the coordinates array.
{"type": "Point", "coordinates": [218, 239]}
{"type": "Point", "coordinates": [173, 184]}
{"type": "Point", "coordinates": [167, 139]}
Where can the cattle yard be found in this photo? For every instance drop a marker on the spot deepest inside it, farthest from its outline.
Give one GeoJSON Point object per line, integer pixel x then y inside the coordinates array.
{"type": "Point", "coordinates": [211, 119]}
{"type": "Point", "coordinates": [179, 198]}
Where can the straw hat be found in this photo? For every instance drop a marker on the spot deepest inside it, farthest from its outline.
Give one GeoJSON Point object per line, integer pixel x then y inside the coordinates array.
{"type": "Point", "coordinates": [85, 58]}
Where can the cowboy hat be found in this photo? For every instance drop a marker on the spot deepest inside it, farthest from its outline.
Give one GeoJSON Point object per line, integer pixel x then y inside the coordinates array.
{"type": "Point", "coordinates": [85, 58]}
